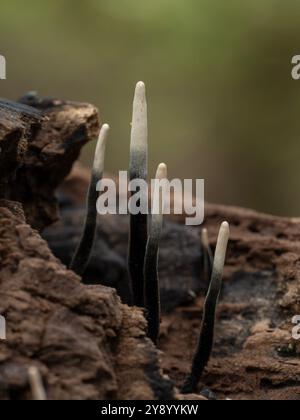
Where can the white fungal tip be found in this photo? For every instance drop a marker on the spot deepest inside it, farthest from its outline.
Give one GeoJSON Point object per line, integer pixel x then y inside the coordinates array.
{"type": "Point", "coordinates": [204, 238]}
{"type": "Point", "coordinates": [162, 171]}
{"type": "Point", "coordinates": [225, 230]}
{"type": "Point", "coordinates": [221, 247]}
{"type": "Point", "coordinates": [105, 127]}
{"type": "Point", "coordinates": [103, 133]}
{"type": "Point", "coordinates": [36, 384]}
{"type": "Point", "coordinates": [158, 196]}
{"type": "Point", "coordinates": [140, 93]}
{"type": "Point", "coordinates": [98, 165]}
{"type": "Point", "coordinates": [139, 132]}
{"type": "Point", "coordinates": [140, 87]}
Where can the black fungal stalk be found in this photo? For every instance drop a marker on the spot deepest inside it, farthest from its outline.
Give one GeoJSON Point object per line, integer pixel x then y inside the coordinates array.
{"type": "Point", "coordinates": [151, 278]}
{"type": "Point", "coordinates": [83, 252]}
{"type": "Point", "coordinates": [206, 339]}
{"type": "Point", "coordinates": [138, 170]}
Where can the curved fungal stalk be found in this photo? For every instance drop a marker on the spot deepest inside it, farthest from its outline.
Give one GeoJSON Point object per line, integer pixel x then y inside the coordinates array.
{"type": "Point", "coordinates": [151, 278]}
{"type": "Point", "coordinates": [36, 384]}
{"type": "Point", "coordinates": [83, 252]}
{"type": "Point", "coordinates": [138, 170]}
{"type": "Point", "coordinates": [206, 339]}
{"type": "Point", "coordinates": [207, 255]}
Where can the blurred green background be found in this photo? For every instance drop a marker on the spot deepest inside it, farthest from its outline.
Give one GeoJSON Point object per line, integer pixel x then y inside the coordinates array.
{"type": "Point", "coordinates": [222, 103]}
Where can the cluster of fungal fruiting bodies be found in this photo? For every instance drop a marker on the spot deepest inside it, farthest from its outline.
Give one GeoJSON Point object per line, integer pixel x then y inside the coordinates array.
{"type": "Point", "coordinates": [144, 238]}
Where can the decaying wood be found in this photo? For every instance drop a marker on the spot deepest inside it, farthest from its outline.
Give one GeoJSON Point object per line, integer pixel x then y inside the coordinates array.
{"type": "Point", "coordinates": [40, 140]}
{"type": "Point", "coordinates": [255, 356]}
{"type": "Point", "coordinates": [79, 337]}
{"type": "Point", "coordinates": [18, 126]}
{"type": "Point", "coordinates": [85, 343]}
{"type": "Point", "coordinates": [180, 250]}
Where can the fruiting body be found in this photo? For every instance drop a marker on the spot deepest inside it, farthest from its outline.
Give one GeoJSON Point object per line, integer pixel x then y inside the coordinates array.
{"type": "Point", "coordinates": [138, 170]}
{"type": "Point", "coordinates": [152, 291]}
{"type": "Point", "coordinates": [83, 252]}
{"type": "Point", "coordinates": [206, 339]}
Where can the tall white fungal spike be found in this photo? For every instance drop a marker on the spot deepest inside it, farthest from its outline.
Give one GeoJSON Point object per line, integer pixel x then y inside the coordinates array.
{"type": "Point", "coordinates": [138, 169]}
{"type": "Point", "coordinates": [83, 251]}
{"type": "Point", "coordinates": [206, 338]}
{"type": "Point", "coordinates": [36, 384]}
{"type": "Point", "coordinates": [152, 290]}
{"type": "Point", "coordinates": [139, 134]}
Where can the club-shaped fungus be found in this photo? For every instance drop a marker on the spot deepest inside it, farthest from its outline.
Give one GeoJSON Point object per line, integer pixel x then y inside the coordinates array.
{"type": "Point", "coordinates": [206, 339]}
{"type": "Point", "coordinates": [138, 170]}
{"type": "Point", "coordinates": [83, 252]}
{"type": "Point", "coordinates": [151, 278]}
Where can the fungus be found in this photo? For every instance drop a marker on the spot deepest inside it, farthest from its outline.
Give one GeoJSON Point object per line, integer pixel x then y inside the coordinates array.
{"type": "Point", "coordinates": [151, 278]}
{"type": "Point", "coordinates": [36, 384]}
{"type": "Point", "coordinates": [83, 252]}
{"type": "Point", "coordinates": [138, 170]}
{"type": "Point", "coordinates": [206, 339]}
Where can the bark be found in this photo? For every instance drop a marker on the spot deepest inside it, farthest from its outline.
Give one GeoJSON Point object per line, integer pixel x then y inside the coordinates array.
{"type": "Point", "coordinates": [86, 344]}
{"type": "Point", "coordinates": [40, 140]}
{"type": "Point", "coordinates": [18, 126]}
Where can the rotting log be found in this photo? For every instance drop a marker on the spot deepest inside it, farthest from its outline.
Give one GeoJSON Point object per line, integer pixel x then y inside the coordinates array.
{"type": "Point", "coordinates": [181, 256]}
{"type": "Point", "coordinates": [255, 356]}
{"type": "Point", "coordinates": [78, 336]}
{"type": "Point", "coordinates": [19, 125]}
{"type": "Point", "coordinates": [40, 140]}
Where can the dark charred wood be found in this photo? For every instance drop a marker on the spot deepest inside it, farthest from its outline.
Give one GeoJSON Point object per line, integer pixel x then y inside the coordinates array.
{"type": "Point", "coordinates": [180, 270]}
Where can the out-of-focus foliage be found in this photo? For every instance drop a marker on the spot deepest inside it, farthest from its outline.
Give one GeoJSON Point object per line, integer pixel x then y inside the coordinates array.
{"type": "Point", "coordinates": [222, 103]}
